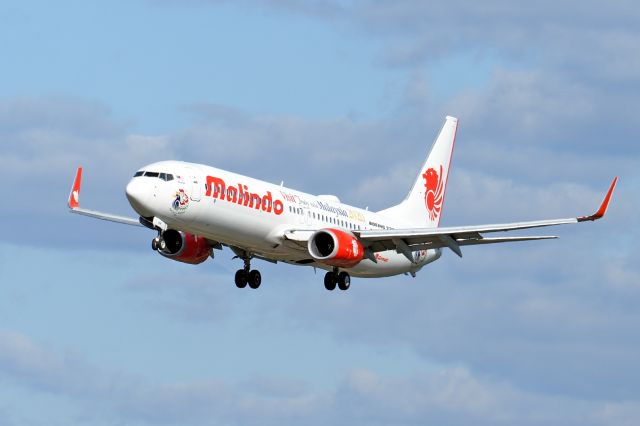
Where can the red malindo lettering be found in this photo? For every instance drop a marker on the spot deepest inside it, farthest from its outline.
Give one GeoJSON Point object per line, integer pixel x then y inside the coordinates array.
{"type": "Point", "coordinates": [240, 195]}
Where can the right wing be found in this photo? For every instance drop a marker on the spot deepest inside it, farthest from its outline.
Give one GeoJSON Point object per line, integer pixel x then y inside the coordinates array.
{"type": "Point", "coordinates": [406, 241]}
{"type": "Point", "coordinates": [74, 205]}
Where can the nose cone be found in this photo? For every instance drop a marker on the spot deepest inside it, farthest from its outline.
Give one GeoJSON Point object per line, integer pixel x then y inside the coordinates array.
{"type": "Point", "coordinates": [138, 196]}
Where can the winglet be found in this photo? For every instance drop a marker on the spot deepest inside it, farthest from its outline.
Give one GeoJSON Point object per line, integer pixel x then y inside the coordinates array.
{"type": "Point", "coordinates": [603, 207]}
{"type": "Point", "coordinates": [74, 195]}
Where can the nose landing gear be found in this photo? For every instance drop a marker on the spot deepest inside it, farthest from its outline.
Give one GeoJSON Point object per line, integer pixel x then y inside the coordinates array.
{"type": "Point", "coordinates": [158, 243]}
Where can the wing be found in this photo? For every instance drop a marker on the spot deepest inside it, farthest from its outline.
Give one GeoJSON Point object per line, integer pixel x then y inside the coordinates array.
{"type": "Point", "coordinates": [74, 205]}
{"type": "Point", "coordinates": [406, 241]}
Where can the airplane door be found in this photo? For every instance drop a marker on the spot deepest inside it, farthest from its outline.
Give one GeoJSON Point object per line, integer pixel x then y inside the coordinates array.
{"type": "Point", "coordinates": [196, 189]}
{"type": "Point", "coordinates": [192, 179]}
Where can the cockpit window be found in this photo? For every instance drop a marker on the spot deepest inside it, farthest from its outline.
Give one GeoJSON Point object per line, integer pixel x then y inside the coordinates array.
{"type": "Point", "coordinates": [164, 176]}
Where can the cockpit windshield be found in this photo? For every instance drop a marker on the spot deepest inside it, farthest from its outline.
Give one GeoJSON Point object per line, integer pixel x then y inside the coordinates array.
{"type": "Point", "coordinates": [164, 176]}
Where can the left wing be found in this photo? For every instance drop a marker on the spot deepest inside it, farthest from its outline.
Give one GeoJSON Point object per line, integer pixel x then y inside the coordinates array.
{"type": "Point", "coordinates": [406, 241]}
{"type": "Point", "coordinates": [74, 205]}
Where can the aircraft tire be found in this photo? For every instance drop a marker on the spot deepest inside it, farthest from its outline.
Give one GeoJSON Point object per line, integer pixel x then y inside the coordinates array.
{"type": "Point", "coordinates": [241, 278]}
{"type": "Point", "coordinates": [254, 279]}
{"type": "Point", "coordinates": [344, 281]}
{"type": "Point", "coordinates": [330, 281]}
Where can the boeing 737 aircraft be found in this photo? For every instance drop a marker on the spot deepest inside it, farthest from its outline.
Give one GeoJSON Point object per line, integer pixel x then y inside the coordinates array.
{"type": "Point", "coordinates": [196, 208]}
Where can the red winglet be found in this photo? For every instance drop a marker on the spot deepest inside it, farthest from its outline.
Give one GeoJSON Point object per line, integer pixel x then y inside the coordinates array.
{"type": "Point", "coordinates": [603, 207]}
{"type": "Point", "coordinates": [74, 196]}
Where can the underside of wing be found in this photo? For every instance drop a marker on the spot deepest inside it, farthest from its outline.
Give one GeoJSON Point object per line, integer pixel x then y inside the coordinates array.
{"type": "Point", "coordinates": [426, 241]}
{"type": "Point", "coordinates": [107, 216]}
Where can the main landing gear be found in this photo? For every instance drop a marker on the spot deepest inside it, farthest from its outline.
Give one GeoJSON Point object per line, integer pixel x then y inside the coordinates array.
{"type": "Point", "coordinates": [247, 276]}
{"type": "Point", "coordinates": [342, 279]}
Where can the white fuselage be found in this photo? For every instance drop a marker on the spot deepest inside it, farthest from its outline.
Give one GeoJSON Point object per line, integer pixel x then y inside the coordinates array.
{"type": "Point", "coordinates": [254, 216]}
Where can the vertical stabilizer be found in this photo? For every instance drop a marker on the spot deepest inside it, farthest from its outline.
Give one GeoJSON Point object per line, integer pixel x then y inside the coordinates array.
{"type": "Point", "coordinates": [423, 205]}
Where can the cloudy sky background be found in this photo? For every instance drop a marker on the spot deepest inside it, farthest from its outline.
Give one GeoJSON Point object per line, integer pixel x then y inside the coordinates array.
{"type": "Point", "coordinates": [331, 97]}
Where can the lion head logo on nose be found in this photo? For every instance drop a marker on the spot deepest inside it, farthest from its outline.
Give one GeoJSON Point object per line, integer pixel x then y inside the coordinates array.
{"type": "Point", "coordinates": [434, 191]}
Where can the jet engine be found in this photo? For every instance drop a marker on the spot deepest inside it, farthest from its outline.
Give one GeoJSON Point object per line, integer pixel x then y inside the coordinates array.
{"type": "Point", "coordinates": [335, 247]}
{"type": "Point", "coordinates": [183, 247]}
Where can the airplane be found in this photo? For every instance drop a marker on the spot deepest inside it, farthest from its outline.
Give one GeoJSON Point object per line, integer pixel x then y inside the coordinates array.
{"type": "Point", "coordinates": [196, 209]}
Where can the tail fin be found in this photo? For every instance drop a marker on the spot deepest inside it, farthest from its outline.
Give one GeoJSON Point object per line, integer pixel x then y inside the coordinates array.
{"type": "Point", "coordinates": [424, 203]}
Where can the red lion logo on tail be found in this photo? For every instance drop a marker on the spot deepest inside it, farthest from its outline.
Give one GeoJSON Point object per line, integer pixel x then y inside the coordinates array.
{"type": "Point", "coordinates": [434, 191]}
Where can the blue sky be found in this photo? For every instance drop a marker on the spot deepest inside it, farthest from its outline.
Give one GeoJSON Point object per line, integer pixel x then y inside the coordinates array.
{"type": "Point", "coordinates": [331, 97]}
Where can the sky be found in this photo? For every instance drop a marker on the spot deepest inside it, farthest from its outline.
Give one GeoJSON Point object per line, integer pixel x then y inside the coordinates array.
{"type": "Point", "coordinates": [341, 97]}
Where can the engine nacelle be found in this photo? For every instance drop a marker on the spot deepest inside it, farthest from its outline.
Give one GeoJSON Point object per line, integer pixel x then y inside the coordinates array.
{"type": "Point", "coordinates": [336, 248]}
{"type": "Point", "coordinates": [185, 247]}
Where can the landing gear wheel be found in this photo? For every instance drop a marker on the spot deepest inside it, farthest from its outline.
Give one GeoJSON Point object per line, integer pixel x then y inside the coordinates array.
{"type": "Point", "coordinates": [241, 278]}
{"type": "Point", "coordinates": [154, 244]}
{"type": "Point", "coordinates": [254, 279]}
{"type": "Point", "coordinates": [162, 244]}
{"type": "Point", "coordinates": [344, 281]}
{"type": "Point", "coordinates": [330, 281]}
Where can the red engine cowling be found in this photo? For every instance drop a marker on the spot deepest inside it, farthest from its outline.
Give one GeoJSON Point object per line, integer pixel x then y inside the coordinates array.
{"type": "Point", "coordinates": [185, 247]}
{"type": "Point", "coordinates": [336, 248]}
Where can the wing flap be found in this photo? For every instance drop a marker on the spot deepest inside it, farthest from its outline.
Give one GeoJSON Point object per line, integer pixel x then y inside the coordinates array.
{"type": "Point", "coordinates": [458, 232]}
{"type": "Point", "coordinates": [437, 241]}
{"type": "Point", "coordinates": [481, 241]}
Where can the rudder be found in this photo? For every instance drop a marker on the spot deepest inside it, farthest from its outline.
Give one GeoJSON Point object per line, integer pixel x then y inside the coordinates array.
{"type": "Point", "coordinates": [423, 205]}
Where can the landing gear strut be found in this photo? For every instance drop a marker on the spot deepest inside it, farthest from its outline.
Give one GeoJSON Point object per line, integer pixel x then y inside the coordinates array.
{"type": "Point", "coordinates": [342, 279]}
{"type": "Point", "coordinates": [247, 276]}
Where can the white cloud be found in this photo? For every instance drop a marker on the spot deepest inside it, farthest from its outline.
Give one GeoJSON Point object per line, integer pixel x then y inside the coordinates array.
{"type": "Point", "coordinates": [452, 395]}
